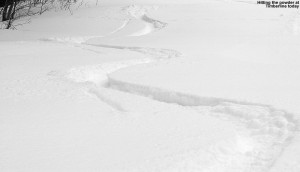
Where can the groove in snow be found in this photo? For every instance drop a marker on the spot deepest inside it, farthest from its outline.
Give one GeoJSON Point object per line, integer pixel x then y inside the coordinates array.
{"type": "Point", "coordinates": [268, 130]}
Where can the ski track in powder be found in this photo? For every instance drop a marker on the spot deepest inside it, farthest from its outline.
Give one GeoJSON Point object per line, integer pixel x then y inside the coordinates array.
{"type": "Point", "coordinates": [269, 130]}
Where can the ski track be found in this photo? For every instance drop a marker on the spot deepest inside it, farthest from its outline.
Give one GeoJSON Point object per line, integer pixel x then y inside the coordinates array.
{"type": "Point", "coordinates": [269, 130]}
{"type": "Point", "coordinates": [140, 13]}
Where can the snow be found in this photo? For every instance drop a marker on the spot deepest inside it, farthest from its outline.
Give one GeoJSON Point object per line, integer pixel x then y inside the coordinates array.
{"type": "Point", "coordinates": [143, 85]}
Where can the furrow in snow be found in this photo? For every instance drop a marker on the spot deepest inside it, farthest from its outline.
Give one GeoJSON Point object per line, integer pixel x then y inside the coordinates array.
{"type": "Point", "coordinates": [156, 53]}
{"type": "Point", "coordinates": [267, 130]}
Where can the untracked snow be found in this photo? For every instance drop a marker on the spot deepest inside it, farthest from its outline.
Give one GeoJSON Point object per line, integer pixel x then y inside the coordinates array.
{"type": "Point", "coordinates": [206, 86]}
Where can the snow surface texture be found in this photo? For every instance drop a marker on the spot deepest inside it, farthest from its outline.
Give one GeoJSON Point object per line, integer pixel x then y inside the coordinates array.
{"type": "Point", "coordinates": [262, 134]}
{"type": "Point", "coordinates": [268, 130]}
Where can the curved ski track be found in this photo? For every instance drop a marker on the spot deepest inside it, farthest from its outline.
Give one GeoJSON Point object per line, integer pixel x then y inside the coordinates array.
{"type": "Point", "coordinates": [270, 129]}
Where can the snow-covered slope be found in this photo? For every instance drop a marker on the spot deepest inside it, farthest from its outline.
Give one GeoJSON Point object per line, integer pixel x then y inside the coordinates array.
{"type": "Point", "coordinates": [205, 86]}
